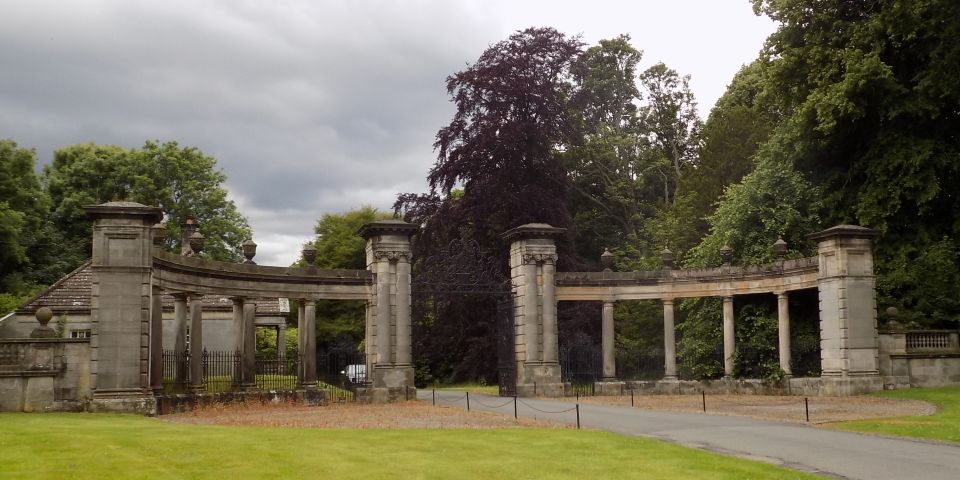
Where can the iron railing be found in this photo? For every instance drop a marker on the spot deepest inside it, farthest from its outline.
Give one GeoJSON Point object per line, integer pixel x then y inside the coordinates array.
{"type": "Point", "coordinates": [277, 373]}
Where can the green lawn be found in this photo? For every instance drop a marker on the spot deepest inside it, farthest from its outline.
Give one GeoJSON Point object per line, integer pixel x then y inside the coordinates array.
{"type": "Point", "coordinates": [471, 387]}
{"type": "Point", "coordinates": [944, 425]}
{"type": "Point", "coordinates": [98, 446]}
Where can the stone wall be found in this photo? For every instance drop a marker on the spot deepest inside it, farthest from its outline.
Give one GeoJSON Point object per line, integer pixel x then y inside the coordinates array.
{"type": "Point", "coordinates": [44, 375]}
{"type": "Point", "coordinates": [919, 358]}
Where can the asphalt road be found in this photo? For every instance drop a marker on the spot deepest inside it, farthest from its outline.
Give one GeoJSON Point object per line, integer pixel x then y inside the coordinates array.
{"type": "Point", "coordinates": [827, 452]}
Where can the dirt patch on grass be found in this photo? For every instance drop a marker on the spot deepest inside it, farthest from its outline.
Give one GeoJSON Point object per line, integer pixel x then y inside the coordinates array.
{"type": "Point", "coordinates": [411, 414]}
{"type": "Point", "coordinates": [780, 408]}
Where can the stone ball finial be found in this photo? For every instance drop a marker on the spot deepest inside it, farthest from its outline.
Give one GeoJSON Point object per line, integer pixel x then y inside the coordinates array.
{"type": "Point", "coordinates": [726, 254]}
{"type": "Point", "coordinates": [892, 312]}
{"type": "Point", "coordinates": [606, 259]}
{"type": "Point", "coordinates": [666, 258]}
{"type": "Point", "coordinates": [249, 250]}
{"type": "Point", "coordinates": [159, 234]}
{"type": "Point", "coordinates": [309, 253]}
{"type": "Point", "coordinates": [779, 248]}
{"type": "Point", "coordinates": [196, 242]}
{"type": "Point", "coordinates": [43, 314]}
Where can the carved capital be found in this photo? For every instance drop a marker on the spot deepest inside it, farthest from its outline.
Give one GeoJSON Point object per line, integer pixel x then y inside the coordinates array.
{"type": "Point", "coordinates": [539, 258]}
{"type": "Point", "coordinates": [392, 255]}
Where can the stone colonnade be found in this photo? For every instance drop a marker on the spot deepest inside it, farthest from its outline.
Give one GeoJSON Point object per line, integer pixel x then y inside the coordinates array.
{"type": "Point", "coordinates": [842, 273]}
{"type": "Point", "coordinates": [130, 277]}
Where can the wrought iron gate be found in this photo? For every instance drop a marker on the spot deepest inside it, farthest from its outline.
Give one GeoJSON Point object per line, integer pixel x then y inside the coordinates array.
{"type": "Point", "coordinates": [462, 272]}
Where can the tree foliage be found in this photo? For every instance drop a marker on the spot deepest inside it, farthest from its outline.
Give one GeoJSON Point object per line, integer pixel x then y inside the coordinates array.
{"type": "Point", "coordinates": [870, 106]}
{"type": "Point", "coordinates": [180, 180]}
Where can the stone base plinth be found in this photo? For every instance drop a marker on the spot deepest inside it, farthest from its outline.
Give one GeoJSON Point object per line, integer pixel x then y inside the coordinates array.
{"type": "Point", "coordinates": [541, 389]}
{"type": "Point", "coordinates": [610, 387]}
{"type": "Point", "coordinates": [189, 401]}
{"type": "Point", "coordinates": [847, 386]}
{"type": "Point", "coordinates": [123, 401]}
{"type": "Point", "coordinates": [390, 376]}
{"type": "Point", "coordinates": [380, 395]}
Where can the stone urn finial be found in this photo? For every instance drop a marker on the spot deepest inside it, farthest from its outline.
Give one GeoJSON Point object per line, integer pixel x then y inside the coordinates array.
{"type": "Point", "coordinates": [309, 253]}
{"type": "Point", "coordinates": [196, 242]}
{"type": "Point", "coordinates": [159, 234]}
{"type": "Point", "coordinates": [726, 255]}
{"type": "Point", "coordinates": [43, 314]}
{"type": "Point", "coordinates": [249, 251]}
{"type": "Point", "coordinates": [779, 248]}
{"type": "Point", "coordinates": [606, 259]}
{"type": "Point", "coordinates": [666, 258]}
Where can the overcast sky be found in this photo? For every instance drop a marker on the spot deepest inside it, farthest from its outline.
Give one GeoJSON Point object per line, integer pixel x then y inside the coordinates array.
{"type": "Point", "coordinates": [308, 106]}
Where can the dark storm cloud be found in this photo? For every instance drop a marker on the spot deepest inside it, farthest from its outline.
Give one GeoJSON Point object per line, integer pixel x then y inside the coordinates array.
{"type": "Point", "coordinates": [309, 106]}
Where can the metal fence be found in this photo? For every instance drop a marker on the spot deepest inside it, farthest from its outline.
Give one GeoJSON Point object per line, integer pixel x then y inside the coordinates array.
{"type": "Point", "coordinates": [639, 364]}
{"type": "Point", "coordinates": [221, 371]}
{"type": "Point", "coordinates": [277, 373]}
{"type": "Point", "coordinates": [341, 371]}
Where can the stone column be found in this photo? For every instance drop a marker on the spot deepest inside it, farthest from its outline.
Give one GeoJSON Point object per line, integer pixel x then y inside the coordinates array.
{"type": "Point", "coordinates": [729, 340]}
{"type": "Point", "coordinates": [783, 328]}
{"type": "Point", "coordinates": [390, 371]}
{"type": "Point", "coordinates": [848, 323]}
{"type": "Point", "coordinates": [248, 363]}
{"type": "Point", "coordinates": [533, 255]}
{"type": "Point", "coordinates": [196, 342]}
{"type": "Point", "coordinates": [310, 345]}
{"type": "Point", "coordinates": [180, 322]}
{"type": "Point", "coordinates": [180, 336]}
{"type": "Point", "coordinates": [669, 341]}
{"type": "Point", "coordinates": [301, 340]}
{"type": "Point", "coordinates": [281, 340]}
{"type": "Point", "coordinates": [549, 291]}
{"type": "Point", "coordinates": [238, 323]}
{"type": "Point", "coordinates": [122, 264]}
{"type": "Point", "coordinates": [531, 329]}
{"type": "Point", "coordinates": [156, 341]}
{"type": "Point", "coordinates": [384, 352]}
{"type": "Point", "coordinates": [403, 353]}
{"type": "Point", "coordinates": [607, 333]}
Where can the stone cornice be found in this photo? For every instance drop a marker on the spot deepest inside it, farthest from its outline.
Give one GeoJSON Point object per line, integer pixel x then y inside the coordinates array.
{"type": "Point", "coordinates": [124, 209]}
{"type": "Point", "coordinates": [388, 227]}
{"type": "Point", "coordinates": [844, 231]}
{"type": "Point", "coordinates": [532, 230]}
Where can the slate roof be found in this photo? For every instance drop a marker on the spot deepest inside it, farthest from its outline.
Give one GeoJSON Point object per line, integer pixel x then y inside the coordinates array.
{"type": "Point", "coordinates": [71, 295]}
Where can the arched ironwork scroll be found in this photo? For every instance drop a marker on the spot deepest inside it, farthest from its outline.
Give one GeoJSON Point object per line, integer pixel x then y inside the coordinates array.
{"type": "Point", "coordinates": [461, 267]}
{"type": "Point", "coordinates": [460, 276]}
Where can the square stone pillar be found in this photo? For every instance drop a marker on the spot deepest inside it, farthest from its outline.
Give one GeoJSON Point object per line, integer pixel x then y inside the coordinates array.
{"type": "Point", "coordinates": [848, 314]}
{"type": "Point", "coordinates": [533, 256]}
{"type": "Point", "coordinates": [120, 299]}
{"type": "Point", "coordinates": [389, 341]}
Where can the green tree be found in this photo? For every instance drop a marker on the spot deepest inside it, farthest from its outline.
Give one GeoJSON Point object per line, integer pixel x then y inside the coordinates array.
{"type": "Point", "coordinates": [341, 322]}
{"type": "Point", "coordinates": [29, 245]}
{"type": "Point", "coordinates": [180, 180]}
{"type": "Point", "coordinates": [869, 98]}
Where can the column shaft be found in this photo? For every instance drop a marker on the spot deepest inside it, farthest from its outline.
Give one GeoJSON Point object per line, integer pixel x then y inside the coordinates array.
{"type": "Point", "coordinates": [301, 342]}
{"type": "Point", "coordinates": [607, 333]}
{"type": "Point", "coordinates": [669, 342]}
{"type": "Point", "coordinates": [179, 322]}
{"type": "Point", "coordinates": [403, 313]}
{"type": "Point", "coordinates": [248, 364]}
{"type": "Point", "coordinates": [783, 327]}
{"type": "Point", "coordinates": [156, 341]}
{"type": "Point", "coordinates": [281, 341]}
{"type": "Point", "coordinates": [531, 327]}
{"type": "Point", "coordinates": [238, 323]}
{"type": "Point", "coordinates": [310, 344]}
{"type": "Point", "coordinates": [549, 312]}
{"type": "Point", "coordinates": [384, 352]}
{"type": "Point", "coordinates": [196, 343]}
{"type": "Point", "coordinates": [729, 341]}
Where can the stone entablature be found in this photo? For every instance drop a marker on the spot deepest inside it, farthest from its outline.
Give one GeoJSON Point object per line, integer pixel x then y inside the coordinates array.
{"type": "Point", "coordinates": [190, 274]}
{"type": "Point", "coordinates": [795, 274]}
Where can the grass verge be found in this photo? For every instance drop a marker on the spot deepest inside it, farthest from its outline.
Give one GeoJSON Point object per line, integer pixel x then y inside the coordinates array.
{"type": "Point", "coordinates": [943, 425]}
{"type": "Point", "coordinates": [466, 387]}
{"type": "Point", "coordinates": [96, 446]}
